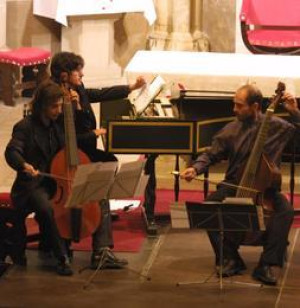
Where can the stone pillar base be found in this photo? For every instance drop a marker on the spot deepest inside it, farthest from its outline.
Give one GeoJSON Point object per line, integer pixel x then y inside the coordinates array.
{"type": "Point", "coordinates": [200, 41]}
{"type": "Point", "coordinates": [180, 41]}
{"type": "Point", "coordinates": [157, 40]}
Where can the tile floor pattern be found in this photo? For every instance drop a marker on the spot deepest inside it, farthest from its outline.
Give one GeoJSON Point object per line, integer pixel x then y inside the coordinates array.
{"type": "Point", "coordinates": [174, 256]}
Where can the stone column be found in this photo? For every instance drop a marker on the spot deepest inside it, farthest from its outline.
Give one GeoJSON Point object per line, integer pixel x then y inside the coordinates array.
{"type": "Point", "coordinates": [200, 40]}
{"type": "Point", "coordinates": [181, 38]}
{"type": "Point", "coordinates": [3, 24]}
{"type": "Point", "coordinates": [157, 39]}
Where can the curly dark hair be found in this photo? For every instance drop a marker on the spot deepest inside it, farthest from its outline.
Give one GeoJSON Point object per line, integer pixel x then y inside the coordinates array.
{"type": "Point", "coordinates": [46, 94]}
{"type": "Point", "coordinates": [64, 62]}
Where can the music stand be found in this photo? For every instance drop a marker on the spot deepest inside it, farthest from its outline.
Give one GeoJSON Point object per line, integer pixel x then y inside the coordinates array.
{"type": "Point", "coordinates": [221, 217]}
{"type": "Point", "coordinates": [104, 181]}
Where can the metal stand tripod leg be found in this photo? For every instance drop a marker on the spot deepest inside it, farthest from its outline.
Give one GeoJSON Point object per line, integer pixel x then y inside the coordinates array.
{"type": "Point", "coordinates": [207, 279]}
{"type": "Point", "coordinates": [220, 272]}
{"type": "Point", "coordinates": [103, 259]}
{"type": "Point", "coordinates": [250, 284]}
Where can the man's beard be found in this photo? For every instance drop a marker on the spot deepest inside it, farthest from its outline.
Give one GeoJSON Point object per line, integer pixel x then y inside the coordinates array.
{"type": "Point", "coordinates": [244, 117]}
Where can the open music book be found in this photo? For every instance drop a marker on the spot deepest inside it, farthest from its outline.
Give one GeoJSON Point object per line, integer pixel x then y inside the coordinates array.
{"type": "Point", "coordinates": [107, 180]}
{"type": "Point", "coordinates": [147, 93]}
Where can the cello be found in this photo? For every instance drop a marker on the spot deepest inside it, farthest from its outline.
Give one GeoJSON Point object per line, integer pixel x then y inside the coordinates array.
{"type": "Point", "coordinates": [260, 174]}
{"type": "Point", "coordinates": [80, 220]}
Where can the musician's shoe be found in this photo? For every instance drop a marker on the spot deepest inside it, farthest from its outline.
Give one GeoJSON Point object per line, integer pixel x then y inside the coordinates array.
{"type": "Point", "coordinates": [106, 259]}
{"type": "Point", "coordinates": [152, 228]}
{"type": "Point", "coordinates": [63, 268]}
{"type": "Point", "coordinates": [264, 274]}
{"type": "Point", "coordinates": [232, 267]}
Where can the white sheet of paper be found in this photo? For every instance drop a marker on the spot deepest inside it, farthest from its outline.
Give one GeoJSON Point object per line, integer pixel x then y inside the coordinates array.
{"type": "Point", "coordinates": [147, 93]}
{"type": "Point", "coordinates": [121, 204]}
{"type": "Point", "coordinates": [96, 181]}
{"type": "Point", "coordinates": [91, 182]}
{"type": "Point", "coordinates": [126, 180]}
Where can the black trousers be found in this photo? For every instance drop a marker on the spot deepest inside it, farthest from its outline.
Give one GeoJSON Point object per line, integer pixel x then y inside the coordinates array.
{"type": "Point", "coordinates": [41, 205]}
{"type": "Point", "coordinates": [102, 237]}
{"type": "Point", "coordinates": [275, 236]}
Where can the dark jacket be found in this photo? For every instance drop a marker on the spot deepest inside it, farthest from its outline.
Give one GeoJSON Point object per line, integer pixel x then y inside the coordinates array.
{"type": "Point", "coordinates": [36, 144]}
{"type": "Point", "coordinates": [85, 121]}
{"type": "Point", "coordinates": [236, 140]}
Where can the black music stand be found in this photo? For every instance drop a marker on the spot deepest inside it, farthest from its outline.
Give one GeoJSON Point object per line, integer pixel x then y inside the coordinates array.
{"type": "Point", "coordinates": [103, 181]}
{"type": "Point", "coordinates": [221, 217]}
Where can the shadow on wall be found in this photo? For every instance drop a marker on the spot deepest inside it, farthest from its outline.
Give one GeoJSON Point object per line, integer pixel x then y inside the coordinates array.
{"type": "Point", "coordinates": [219, 24]}
{"type": "Point", "coordinates": [131, 32]}
{"type": "Point", "coordinates": [26, 29]}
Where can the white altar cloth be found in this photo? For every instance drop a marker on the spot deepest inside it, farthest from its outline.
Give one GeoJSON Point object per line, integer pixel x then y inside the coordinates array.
{"type": "Point", "coordinates": [61, 9]}
{"type": "Point", "coordinates": [217, 71]}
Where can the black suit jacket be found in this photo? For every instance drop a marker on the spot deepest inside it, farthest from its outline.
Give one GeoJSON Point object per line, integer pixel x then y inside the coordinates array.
{"type": "Point", "coordinates": [85, 121]}
{"type": "Point", "coordinates": [30, 143]}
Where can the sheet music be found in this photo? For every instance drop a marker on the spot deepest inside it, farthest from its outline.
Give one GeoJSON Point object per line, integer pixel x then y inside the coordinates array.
{"type": "Point", "coordinates": [166, 107]}
{"type": "Point", "coordinates": [141, 185]}
{"type": "Point", "coordinates": [91, 183]}
{"type": "Point", "coordinates": [96, 181]}
{"type": "Point", "coordinates": [127, 180]}
{"type": "Point", "coordinates": [147, 93]}
{"type": "Point", "coordinates": [121, 204]}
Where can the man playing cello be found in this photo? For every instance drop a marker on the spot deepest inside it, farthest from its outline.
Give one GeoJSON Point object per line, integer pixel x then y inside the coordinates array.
{"type": "Point", "coordinates": [235, 142]}
{"type": "Point", "coordinates": [35, 141]}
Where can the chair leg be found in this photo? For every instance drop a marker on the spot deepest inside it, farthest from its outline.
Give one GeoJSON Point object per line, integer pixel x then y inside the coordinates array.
{"type": "Point", "coordinates": [7, 77]}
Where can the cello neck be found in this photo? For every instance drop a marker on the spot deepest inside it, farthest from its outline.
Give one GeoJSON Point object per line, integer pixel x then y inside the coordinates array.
{"type": "Point", "coordinates": [70, 134]}
{"type": "Point", "coordinates": [250, 172]}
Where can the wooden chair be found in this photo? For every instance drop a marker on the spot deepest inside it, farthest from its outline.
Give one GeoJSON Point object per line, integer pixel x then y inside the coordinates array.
{"type": "Point", "coordinates": [12, 65]}
{"type": "Point", "coordinates": [271, 27]}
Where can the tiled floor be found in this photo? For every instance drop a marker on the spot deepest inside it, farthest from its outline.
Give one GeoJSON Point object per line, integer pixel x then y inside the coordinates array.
{"type": "Point", "coordinates": [174, 256]}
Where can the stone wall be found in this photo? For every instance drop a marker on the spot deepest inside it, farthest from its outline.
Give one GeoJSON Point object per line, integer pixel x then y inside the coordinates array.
{"type": "Point", "coordinates": [129, 37]}
{"type": "Point", "coordinates": [219, 24]}
{"type": "Point", "coordinates": [24, 29]}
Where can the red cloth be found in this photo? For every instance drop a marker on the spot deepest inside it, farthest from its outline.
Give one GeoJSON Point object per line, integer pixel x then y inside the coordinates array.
{"type": "Point", "coordinates": [279, 13]}
{"type": "Point", "coordinates": [25, 56]}
{"type": "Point", "coordinates": [272, 38]}
{"type": "Point", "coordinates": [271, 12]}
{"type": "Point", "coordinates": [164, 198]}
{"type": "Point", "coordinates": [5, 200]}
